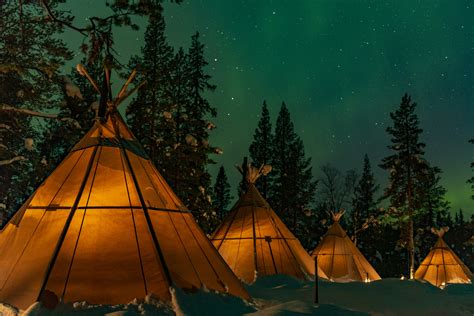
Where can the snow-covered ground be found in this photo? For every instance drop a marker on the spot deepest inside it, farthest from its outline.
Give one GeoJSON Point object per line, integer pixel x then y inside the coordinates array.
{"type": "Point", "coordinates": [282, 295]}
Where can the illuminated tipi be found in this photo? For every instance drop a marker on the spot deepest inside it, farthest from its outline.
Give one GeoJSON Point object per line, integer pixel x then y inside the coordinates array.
{"type": "Point", "coordinates": [340, 259]}
{"type": "Point", "coordinates": [106, 228]}
{"type": "Point", "coordinates": [255, 242]}
{"type": "Point", "coordinates": [441, 266]}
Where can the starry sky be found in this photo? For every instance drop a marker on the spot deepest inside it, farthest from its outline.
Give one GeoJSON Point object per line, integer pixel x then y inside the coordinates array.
{"type": "Point", "coordinates": [340, 66]}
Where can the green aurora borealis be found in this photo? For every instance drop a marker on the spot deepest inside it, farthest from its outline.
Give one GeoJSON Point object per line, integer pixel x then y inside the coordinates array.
{"type": "Point", "coordinates": [340, 66]}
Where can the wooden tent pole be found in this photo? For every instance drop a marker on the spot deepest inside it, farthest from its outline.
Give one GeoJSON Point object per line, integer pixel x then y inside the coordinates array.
{"type": "Point", "coordinates": [145, 211]}
{"type": "Point", "coordinates": [65, 229]}
{"type": "Point", "coordinates": [316, 281]}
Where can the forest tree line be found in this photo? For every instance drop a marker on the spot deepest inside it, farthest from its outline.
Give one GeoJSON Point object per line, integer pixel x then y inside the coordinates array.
{"type": "Point", "coordinates": [44, 112]}
{"type": "Point", "coordinates": [388, 224]}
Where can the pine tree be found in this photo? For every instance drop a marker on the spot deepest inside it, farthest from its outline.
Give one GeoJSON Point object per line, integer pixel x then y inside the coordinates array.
{"type": "Point", "coordinates": [364, 207]}
{"type": "Point", "coordinates": [175, 141]}
{"type": "Point", "coordinates": [407, 168]}
{"type": "Point", "coordinates": [145, 114]}
{"type": "Point", "coordinates": [221, 194]}
{"type": "Point", "coordinates": [170, 117]}
{"type": "Point", "coordinates": [30, 57]}
{"type": "Point", "coordinates": [261, 148]}
{"type": "Point", "coordinates": [198, 110]}
{"type": "Point", "coordinates": [293, 186]}
{"type": "Point", "coordinates": [283, 138]}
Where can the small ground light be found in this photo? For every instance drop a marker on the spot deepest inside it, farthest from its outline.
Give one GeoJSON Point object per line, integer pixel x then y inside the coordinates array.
{"type": "Point", "coordinates": [402, 277]}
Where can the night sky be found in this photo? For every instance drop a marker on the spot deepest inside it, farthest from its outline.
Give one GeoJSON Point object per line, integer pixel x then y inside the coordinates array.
{"type": "Point", "coordinates": [340, 66]}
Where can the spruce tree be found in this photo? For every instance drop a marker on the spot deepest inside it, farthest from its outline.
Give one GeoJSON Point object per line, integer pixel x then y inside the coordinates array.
{"type": "Point", "coordinates": [471, 180]}
{"type": "Point", "coordinates": [407, 168]}
{"type": "Point", "coordinates": [170, 117]}
{"type": "Point", "coordinates": [198, 110]}
{"type": "Point", "coordinates": [30, 82]}
{"type": "Point", "coordinates": [293, 186]}
{"type": "Point", "coordinates": [145, 113]}
{"type": "Point", "coordinates": [303, 186]}
{"type": "Point", "coordinates": [434, 209]}
{"type": "Point", "coordinates": [261, 148]}
{"type": "Point", "coordinates": [175, 141]}
{"type": "Point", "coordinates": [221, 194]}
{"type": "Point", "coordinates": [283, 138]}
{"type": "Point", "coordinates": [364, 208]}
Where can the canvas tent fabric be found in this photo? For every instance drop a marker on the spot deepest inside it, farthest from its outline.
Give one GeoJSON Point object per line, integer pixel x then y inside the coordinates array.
{"type": "Point", "coordinates": [442, 266]}
{"type": "Point", "coordinates": [255, 242]}
{"type": "Point", "coordinates": [106, 228]}
{"type": "Point", "coordinates": [340, 259]}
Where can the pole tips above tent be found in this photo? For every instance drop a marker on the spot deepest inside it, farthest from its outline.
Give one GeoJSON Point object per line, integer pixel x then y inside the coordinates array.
{"type": "Point", "coordinates": [439, 231]}
{"type": "Point", "coordinates": [336, 216]}
{"type": "Point", "coordinates": [108, 105]}
{"type": "Point", "coordinates": [253, 173]}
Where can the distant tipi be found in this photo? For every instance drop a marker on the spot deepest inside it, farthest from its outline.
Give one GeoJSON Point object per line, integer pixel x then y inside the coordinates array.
{"type": "Point", "coordinates": [255, 242]}
{"type": "Point", "coordinates": [340, 259]}
{"type": "Point", "coordinates": [106, 228]}
{"type": "Point", "coordinates": [441, 266]}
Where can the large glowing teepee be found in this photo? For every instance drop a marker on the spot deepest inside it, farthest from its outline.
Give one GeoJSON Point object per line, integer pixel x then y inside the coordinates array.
{"type": "Point", "coordinates": [340, 259]}
{"type": "Point", "coordinates": [441, 266]}
{"type": "Point", "coordinates": [255, 242]}
{"type": "Point", "coordinates": [106, 228]}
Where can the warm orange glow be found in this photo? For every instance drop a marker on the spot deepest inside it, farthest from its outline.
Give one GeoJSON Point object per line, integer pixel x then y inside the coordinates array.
{"type": "Point", "coordinates": [340, 259]}
{"type": "Point", "coordinates": [89, 219]}
{"type": "Point", "coordinates": [442, 266]}
{"type": "Point", "coordinates": [252, 238]}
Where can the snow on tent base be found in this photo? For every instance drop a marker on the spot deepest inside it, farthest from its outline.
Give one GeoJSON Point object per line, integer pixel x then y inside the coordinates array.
{"type": "Point", "coordinates": [285, 295]}
{"type": "Point", "coordinates": [106, 228]}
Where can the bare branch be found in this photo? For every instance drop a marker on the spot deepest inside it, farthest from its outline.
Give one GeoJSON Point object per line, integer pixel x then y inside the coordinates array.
{"type": "Point", "coordinates": [10, 161]}
{"type": "Point", "coordinates": [83, 31]}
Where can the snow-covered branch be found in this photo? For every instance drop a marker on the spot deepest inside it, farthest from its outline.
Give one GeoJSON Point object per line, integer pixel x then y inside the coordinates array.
{"type": "Point", "coordinates": [8, 108]}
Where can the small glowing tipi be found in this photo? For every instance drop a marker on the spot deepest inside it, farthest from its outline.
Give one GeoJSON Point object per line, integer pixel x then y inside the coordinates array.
{"type": "Point", "coordinates": [441, 266]}
{"type": "Point", "coordinates": [255, 242]}
{"type": "Point", "coordinates": [340, 259]}
{"type": "Point", "coordinates": [106, 228]}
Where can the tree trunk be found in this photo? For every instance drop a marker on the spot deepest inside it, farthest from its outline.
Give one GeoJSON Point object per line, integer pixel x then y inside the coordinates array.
{"type": "Point", "coordinates": [411, 248]}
